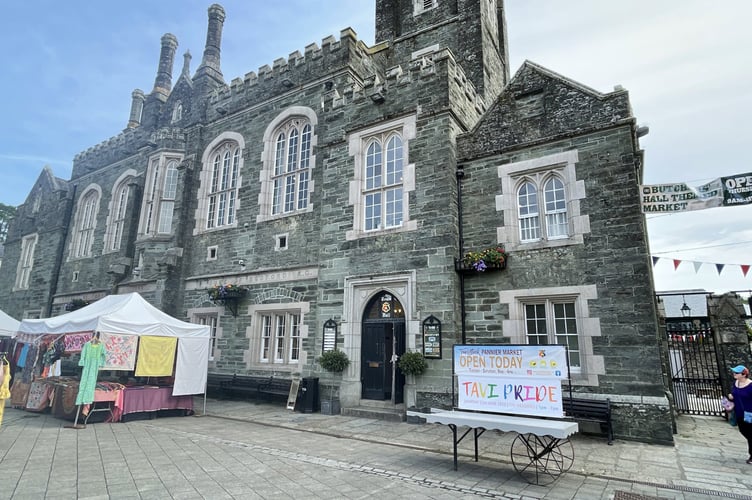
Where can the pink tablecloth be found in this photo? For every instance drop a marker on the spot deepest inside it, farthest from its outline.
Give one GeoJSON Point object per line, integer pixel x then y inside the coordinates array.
{"type": "Point", "coordinates": [150, 398]}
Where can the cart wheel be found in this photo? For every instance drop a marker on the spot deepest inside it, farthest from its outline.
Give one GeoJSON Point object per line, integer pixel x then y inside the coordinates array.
{"type": "Point", "coordinates": [541, 459]}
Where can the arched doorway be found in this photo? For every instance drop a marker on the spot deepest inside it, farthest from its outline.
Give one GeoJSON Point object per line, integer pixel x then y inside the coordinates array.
{"type": "Point", "coordinates": [382, 342]}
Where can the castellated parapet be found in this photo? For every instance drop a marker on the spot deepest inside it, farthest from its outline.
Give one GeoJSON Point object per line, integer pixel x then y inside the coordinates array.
{"type": "Point", "coordinates": [125, 144]}
{"type": "Point", "coordinates": [295, 71]}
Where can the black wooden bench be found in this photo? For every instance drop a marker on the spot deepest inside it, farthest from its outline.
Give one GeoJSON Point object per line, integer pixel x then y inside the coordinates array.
{"type": "Point", "coordinates": [591, 410]}
{"type": "Point", "coordinates": [214, 383]}
{"type": "Point", "coordinates": [248, 385]}
{"type": "Point", "coordinates": [275, 387]}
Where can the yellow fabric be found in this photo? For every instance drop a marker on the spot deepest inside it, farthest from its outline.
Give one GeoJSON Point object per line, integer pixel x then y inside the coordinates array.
{"type": "Point", "coordinates": [156, 356]}
{"type": "Point", "coordinates": [4, 387]}
{"type": "Point", "coordinates": [4, 391]}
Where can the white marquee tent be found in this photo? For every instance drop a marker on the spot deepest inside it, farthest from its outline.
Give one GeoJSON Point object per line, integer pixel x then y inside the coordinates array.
{"type": "Point", "coordinates": [130, 314]}
{"type": "Point", "coordinates": [8, 325]}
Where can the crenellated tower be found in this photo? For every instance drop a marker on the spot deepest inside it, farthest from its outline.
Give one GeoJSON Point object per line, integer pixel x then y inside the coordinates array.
{"type": "Point", "coordinates": [474, 31]}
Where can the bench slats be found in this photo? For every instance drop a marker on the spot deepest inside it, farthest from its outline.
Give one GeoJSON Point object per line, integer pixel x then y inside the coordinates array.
{"type": "Point", "coordinates": [591, 410]}
{"type": "Point", "coordinates": [226, 385]}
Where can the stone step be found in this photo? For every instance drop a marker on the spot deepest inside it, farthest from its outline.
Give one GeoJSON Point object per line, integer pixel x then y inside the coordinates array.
{"type": "Point", "coordinates": [385, 414]}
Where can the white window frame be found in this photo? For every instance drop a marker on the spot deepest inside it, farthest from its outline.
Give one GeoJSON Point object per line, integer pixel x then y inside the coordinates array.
{"type": "Point", "coordinates": [281, 171]}
{"type": "Point", "coordinates": [515, 328]}
{"type": "Point", "coordinates": [553, 330]}
{"type": "Point", "coordinates": [116, 216]}
{"type": "Point", "coordinates": [420, 6]}
{"type": "Point", "coordinates": [539, 171]}
{"type": "Point", "coordinates": [160, 191]}
{"type": "Point", "coordinates": [360, 190]}
{"type": "Point", "coordinates": [26, 261]}
{"type": "Point", "coordinates": [177, 112]}
{"type": "Point", "coordinates": [212, 214]}
{"type": "Point", "coordinates": [209, 316]}
{"type": "Point", "coordinates": [277, 332]}
{"type": "Point", "coordinates": [85, 225]}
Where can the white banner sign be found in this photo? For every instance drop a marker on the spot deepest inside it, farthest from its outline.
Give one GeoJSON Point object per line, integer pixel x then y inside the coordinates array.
{"type": "Point", "coordinates": [537, 396]}
{"type": "Point", "coordinates": [728, 191]}
{"type": "Point", "coordinates": [515, 360]}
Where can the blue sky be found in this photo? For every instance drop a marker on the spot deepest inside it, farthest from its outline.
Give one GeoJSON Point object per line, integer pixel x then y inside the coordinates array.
{"type": "Point", "coordinates": [69, 69]}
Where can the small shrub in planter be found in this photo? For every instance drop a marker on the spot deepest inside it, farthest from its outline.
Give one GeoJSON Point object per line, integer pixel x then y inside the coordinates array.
{"type": "Point", "coordinates": [334, 361]}
{"type": "Point", "coordinates": [412, 363]}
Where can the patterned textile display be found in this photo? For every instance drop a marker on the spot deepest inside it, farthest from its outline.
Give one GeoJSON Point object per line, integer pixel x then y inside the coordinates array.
{"type": "Point", "coordinates": [74, 342]}
{"type": "Point", "coordinates": [27, 374]}
{"type": "Point", "coordinates": [93, 356]}
{"type": "Point", "coordinates": [18, 393]}
{"type": "Point", "coordinates": [121, 351]}
{"type": "Point", "coordinates": [156, 356]}
{"type": "Point", "coordinates": [54, 352]}
{"type": "Point", "coordinates": [39, 396]}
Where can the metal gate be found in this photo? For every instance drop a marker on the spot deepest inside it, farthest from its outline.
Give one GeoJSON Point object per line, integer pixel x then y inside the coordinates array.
{"type": "Point", "coordinates": [694, 361]}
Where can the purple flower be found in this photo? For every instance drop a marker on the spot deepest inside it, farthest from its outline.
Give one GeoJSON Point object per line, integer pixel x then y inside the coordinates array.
{"type": "Point", "coordinates": [480, 266]}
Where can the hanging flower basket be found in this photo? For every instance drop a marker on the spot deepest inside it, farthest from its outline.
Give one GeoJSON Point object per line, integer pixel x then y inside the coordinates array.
{"type": "Point", "coordinates": [76, 304]}
{"type": "Point", "coordinates": [490, 259]}
{"type": "Point", "coordinates": [228, 291]}
{"type": "Point", "coordinates": [227, 295]}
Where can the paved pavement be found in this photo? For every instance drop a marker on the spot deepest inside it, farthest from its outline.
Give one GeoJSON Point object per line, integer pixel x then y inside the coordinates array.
{"type": "Point", "coordinates": [240, 450]}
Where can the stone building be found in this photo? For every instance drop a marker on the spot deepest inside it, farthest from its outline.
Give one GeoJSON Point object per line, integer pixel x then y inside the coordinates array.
{"type": "Point", "coordinates": [341, 187]}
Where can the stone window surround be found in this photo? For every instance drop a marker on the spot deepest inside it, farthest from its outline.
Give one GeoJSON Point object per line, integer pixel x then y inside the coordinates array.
{"type": "Point", "coordinates": [252, 355]}
{"type": "Point", "coordinates": [28, 247]}
{"type": "Point", "coordinates": [589, 327]}
{"type": "Point", "coordinates": [511, 174]}
{"type": "Point", "coordinates": [267, 161]}
{"type": "Point", "coordinates": [202, 207]}
{"type": "Point", "coordinates": [124, 180]}
{"type": "Point", "coordinates": [77, 222]}
{"type": "Point", "coordinates": [357, 142]}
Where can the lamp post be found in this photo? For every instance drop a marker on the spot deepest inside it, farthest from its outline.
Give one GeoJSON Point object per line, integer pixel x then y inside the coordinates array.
{"type": "Point", "coordinates": [685, 309]}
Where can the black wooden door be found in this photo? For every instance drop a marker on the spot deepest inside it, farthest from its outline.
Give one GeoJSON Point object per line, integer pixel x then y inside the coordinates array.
{"type": "Point", "coordinates": [374, 361]}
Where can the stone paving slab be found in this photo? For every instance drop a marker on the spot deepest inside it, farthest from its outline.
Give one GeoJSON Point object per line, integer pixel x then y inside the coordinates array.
{"type": "Point", "coordinates": [259, 450]}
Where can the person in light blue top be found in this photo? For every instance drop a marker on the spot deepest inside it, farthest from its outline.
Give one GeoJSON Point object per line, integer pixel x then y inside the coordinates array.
{"type": "Point", "coordinates": [741, 395]}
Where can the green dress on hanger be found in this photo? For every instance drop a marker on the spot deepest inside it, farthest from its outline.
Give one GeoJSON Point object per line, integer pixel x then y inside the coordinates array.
{"type": "Point", "coordinates": [93, 356]}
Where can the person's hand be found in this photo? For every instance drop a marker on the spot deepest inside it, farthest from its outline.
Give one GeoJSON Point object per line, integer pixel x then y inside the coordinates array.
{"type": "Point", "coordinates": [730, 396]}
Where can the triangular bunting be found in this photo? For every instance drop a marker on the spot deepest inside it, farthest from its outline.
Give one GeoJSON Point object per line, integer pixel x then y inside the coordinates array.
{"type": "Point", "coordinates": [655, 260]}
{"type": "Point", "coordinates": [720, 267]}
{"type": "Point", "coordinates": [745, 269]}
{"type": "Point", "coordinates": [676, 264]}
{"type": "Point", "coordinates": [697, 265]}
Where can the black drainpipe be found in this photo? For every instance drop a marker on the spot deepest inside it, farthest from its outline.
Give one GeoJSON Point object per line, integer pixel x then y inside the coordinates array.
{"type": "Point", "coordinates": [461, 175]}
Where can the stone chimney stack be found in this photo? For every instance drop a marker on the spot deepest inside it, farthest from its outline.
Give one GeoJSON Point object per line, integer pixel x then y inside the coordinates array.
{"type": "Point", "coordinates": [163, 82]}
{"type": "Point", "coordinates": [137, 107]}
{"type": "Point", "coordinates": [186, 64]}
{"type": "Point", "coordinates": [210, 64]}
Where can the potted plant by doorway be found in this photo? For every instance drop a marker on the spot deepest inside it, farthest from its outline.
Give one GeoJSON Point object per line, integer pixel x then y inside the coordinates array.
{"type": "Point", "coordinates": [334, 361]}
{"type": "Point", "coordinates": [412, 363]}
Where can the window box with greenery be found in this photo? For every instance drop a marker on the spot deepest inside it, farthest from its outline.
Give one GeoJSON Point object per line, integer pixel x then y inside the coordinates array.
{"type": "Point", "coordinates": [334, 361]}
{"type": "Point", "coordinates": [489, 259]}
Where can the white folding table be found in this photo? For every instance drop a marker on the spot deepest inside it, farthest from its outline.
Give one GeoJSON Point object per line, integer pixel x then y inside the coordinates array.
{"type": "Point", "coordinates": [540, 452]}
